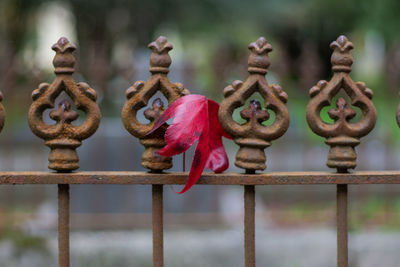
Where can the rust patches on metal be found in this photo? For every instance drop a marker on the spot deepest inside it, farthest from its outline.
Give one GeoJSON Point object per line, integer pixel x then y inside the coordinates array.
{"type": "Point", "coordinates": [341, 222]}
{"type": "Point", "coordinates": [252, 136]}
{"type": "Point", "coordinates": [158, 225]}
{"type": "Point", "coordinates": [249, 226]}
{"type": "Point", "coordinates": [63, 138]}
{"type": "Point", "coordinates": [138, 97]}
{"type": "Point", "coordinates": [342, 136]}
{"type": "Point", "coordinates": [63, 225]}
{"type": "Point", "coordinates": [180, 178]}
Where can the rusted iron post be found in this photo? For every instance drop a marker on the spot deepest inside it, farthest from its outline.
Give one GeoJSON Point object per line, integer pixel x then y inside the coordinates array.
{"type": "Point", "coordinates": [63, 138]}
{"type": "Point", "coordinates": [341, 218]}
{"type": "Point", "coordinates": [63, 225]}
{"type": "Point", "coordinates": [138, 97]}
{"type": "Point", "coordinates": [253, 137]}
{"type": "Point", "coordinates": [158, 226]}
{"type": "Point", "coordinates": [342, 135]}
{"type": "Point", "coordinates": [249, 226]}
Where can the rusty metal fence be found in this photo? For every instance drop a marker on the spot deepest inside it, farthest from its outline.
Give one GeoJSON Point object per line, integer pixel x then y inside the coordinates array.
{"type": "Point", "coordinates": [253, 136]}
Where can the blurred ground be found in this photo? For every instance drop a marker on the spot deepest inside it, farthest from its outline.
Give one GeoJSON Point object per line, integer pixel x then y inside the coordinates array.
{"type": "Point", "coordinates": [287, 248]}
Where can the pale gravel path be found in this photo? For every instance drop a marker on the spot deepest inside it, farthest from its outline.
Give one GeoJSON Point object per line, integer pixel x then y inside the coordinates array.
{"type": "Point", "coordinates": [277, 248]}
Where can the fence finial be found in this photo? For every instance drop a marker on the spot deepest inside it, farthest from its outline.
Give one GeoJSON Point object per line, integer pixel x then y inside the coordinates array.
{"type": "Point", "coordinates": [160, 60]}
{"type": "Point", "coordinates": [64, 60]}
{"type": "Point", "coordinates": [341, 58]}
{"type": "Point", "coordinates": [138, 97]}
{"type": "Point", "coordinates": [258, 60]}
{"type": "Point", "coordinates": [252, 136]}
{"type": "Point", "coordinates": [342, 135]}
{"type": "Point", "coordinates": [63, 138]}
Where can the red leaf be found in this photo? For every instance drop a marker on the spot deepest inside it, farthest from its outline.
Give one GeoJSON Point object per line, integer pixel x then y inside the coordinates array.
{"type": "Point", "coordinates": [195, 119]}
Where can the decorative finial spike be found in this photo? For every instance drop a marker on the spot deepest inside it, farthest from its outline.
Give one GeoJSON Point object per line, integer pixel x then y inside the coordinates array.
{"type": "Point", "coordinates": [160, 45]}
{"type": "Point", "coordinates": [342, 40]}
{"type": "Point", "coordinates": [261, 46]}
{"type": "Point", "coordinates": [253, 136]}
{"type": "Point", "coordinates": [138, 97]}
{"type": "Point", "coordinates": [64, 61]}
{"type": "Point", "coordinates": [342, 43]}
{"type": "Point", "coordinates": [63, 138]}
{"type": "Point", "coordinates": [258, 60]}
{"type": "Point", "coordinates": [341, 58]}
{"type": "Point", "coordinates": [62, 45]}
{"type": "Point", "coordinates": [160, 59]}
{"type": "Point", "coordinates": [343, 135]}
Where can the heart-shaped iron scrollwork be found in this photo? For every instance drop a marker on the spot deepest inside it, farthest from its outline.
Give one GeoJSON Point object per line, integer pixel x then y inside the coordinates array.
{"type": "Point", "coordinates": [138, 97]}
{"type": "Point", "coordinates": [342, 135]}
{"type": "Point", "coordinates": [63, 138]}
{"type": "Point", "coordinates": [252, 136]}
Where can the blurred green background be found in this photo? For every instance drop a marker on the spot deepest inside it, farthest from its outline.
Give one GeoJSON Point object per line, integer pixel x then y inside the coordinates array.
{"type": "Point", "coordinates": [210, 40]}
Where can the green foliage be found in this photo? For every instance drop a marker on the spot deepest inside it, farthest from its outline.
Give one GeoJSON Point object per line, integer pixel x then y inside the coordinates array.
{"type": "Point", "coordinates": [23, 241]}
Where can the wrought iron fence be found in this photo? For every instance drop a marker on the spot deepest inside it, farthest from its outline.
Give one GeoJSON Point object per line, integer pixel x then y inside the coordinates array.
{"type": "Point", "coordinates": [343, 135]}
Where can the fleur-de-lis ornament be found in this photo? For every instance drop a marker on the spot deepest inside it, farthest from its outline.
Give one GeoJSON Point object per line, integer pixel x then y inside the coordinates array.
{"type": "Point", "coordinates": [63, 138]}
{"type": "Point", "coordinates": [342, 135]}
{"type": "Point", "coordinates": [252, 136]}
{"type": "Point", "coordinates": [138, 97]}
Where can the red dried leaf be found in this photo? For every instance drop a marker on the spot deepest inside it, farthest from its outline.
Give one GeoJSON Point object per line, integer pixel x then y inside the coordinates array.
{"type": "Point", "coordinates": [195, 119]}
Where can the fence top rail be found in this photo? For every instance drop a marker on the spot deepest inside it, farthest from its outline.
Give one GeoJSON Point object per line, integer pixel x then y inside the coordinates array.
{"type": "Point", "coordinates": [179, 178]}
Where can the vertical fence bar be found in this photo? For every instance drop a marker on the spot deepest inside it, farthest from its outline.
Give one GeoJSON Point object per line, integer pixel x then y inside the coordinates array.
{"type": "Point", "coordinates": [252, 136]}
{"type": "Point", "coordinates": [343, 135]}
{"type": "Point", "coordinates": [249, 226]}
{"type": "Point", "coordinates": [63, 225]}
{"type": "Point", "coordinates": [342, 234]}
{"type": "Point", "coordinates": [158, 225]}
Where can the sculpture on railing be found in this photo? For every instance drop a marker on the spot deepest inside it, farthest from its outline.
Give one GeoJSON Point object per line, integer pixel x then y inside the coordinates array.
{"type": "Point", "coordinates": [63, 138]}
{"type": "Point", "coordinates": [138, 97]}
{"type": "Point", "coordinates": [342, 135]}
{"type": "Point", "coordinates": [252, 136]}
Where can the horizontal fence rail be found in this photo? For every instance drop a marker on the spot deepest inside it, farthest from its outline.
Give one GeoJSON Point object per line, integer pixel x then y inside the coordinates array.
{"type": "Point", "coordinates": [179, 178]}
{"type": "Point", "coordinates": [157, 180]}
